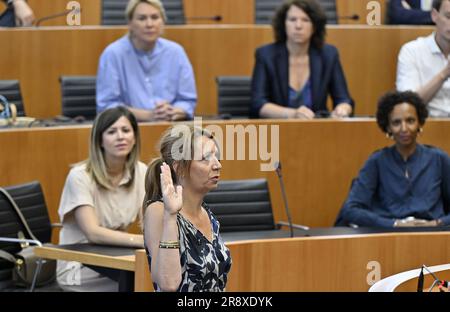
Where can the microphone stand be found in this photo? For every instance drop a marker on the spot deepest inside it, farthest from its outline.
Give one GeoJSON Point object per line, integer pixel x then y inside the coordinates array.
{"type": "Point", "coordinates": [436, 280]}
{"type": "Point", "coordinates": [286, 207]}
{"type": "Point", "coordinates": [288, 213]}
{"type": "Point", "coordinates": [353, 17]}
{"type": "Point", "coordinates": [215, 18]}
{"type": "Point", "coordinates": [66, 12]}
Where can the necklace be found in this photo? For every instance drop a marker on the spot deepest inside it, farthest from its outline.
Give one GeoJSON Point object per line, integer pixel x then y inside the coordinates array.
{"type": "Point", "coordinates": [406, 173]}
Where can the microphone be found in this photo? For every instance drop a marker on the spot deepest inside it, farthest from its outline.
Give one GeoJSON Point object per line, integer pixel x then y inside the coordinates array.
{"type": "Point", "coordinates": [420, 281]}
{"type": "Point", "coordinates": [437, 281]}
{"type": "Point", "coordinates": [215, 18]}
{"type": "Point", "coordinates": [74, 10]}
{"type": "Point", "coordinates": [353, 17]}
{"type": "Point", "coordinates": [283, 191]}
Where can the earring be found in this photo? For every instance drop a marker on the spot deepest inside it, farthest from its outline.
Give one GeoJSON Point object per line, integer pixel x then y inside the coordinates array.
{"type": "Point", "coordinates": [388, 135]}
{"type": "Point", "coordinates": [420, 131]}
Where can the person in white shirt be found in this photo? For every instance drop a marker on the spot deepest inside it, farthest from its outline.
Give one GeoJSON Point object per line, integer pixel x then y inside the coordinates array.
{"type": "Point", "coordinates": [423, 64]}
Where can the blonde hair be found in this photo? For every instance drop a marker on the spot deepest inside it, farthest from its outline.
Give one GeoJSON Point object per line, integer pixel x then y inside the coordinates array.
{"type": "Point", "coordinates": [132, 4]}
{"type": "Point", "coordinates": [166, 147]}
{"type": "Point", "coordinates": [96, 164]}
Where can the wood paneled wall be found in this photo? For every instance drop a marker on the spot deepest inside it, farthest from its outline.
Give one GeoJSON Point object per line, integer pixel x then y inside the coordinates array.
{"type": "Point", "coordinates": [339, 263]}
{"type": "Point", "coordinates": [231, 11]}
{"type": "Point", "coordinates": [326, 263]}
{"type": "Point", "coordinates": [39, 56]}
{"type": "Point", "coordinates": [90, 11]}
{"type": "Point", "coordinates": [320, 158]}
{"type": "Point", "coordinates": [347, 8]}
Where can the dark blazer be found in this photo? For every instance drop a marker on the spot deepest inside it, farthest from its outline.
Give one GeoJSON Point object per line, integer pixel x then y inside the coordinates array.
{"type": "Point", "coordinates": [8, 17]}
{"type": "Point", "coordinates": [270, 81]}
{"type": "Point", "coordinates": [415, 16]}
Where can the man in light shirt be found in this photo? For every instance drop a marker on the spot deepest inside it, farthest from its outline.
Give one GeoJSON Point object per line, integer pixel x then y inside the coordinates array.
{"type": "Point", "coordinates": [423, 64]}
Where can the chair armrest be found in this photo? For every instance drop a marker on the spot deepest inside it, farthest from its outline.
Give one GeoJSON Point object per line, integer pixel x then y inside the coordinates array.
{"type": "Point", "coordinates": [294, 226]}
{"type": "Point", "coordinates": [20, 240]}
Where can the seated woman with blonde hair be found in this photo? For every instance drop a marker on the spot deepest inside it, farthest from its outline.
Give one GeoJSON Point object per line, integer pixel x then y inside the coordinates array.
{"type": "Point", "coordinates": [102, 197]}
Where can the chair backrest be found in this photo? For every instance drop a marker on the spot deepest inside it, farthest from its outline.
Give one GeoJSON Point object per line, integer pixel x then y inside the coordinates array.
{"type": "Point", "coordinates": [329, 6]}
{"type": "Point", "coordinates": [113, 12]}
{"type": "Point", "coordinates": [10, 89]}
{"type": "Point", "coordinates": [265, 10]}
{"type": "Point", "coordinates": [78, 96]}
{"type": "Point", "coordinates": [234, 95]}
{"type": "Point", "coordinates": [242, 205]}
{"type": "Point", "coordinates": [174, 11]}
{"type": "Point", "coordinates": [30, 200]}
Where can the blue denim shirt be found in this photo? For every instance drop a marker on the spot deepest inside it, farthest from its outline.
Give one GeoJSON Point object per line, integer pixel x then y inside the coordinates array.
{"type": "Point", "coordinates": [390, 188]}
{"type": "Point", "coordinates": [139, 79]}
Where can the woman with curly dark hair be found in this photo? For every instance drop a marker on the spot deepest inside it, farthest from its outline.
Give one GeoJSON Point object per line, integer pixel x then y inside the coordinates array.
{"type": "Point", "coordinates": [406, 184]}
{"type": "Point", "coordinates": [293, 76]}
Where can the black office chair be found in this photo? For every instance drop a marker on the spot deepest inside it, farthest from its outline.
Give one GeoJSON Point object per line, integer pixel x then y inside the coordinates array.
{"type": "Point", "coordinates": [174, 11]}
{"type": "Point", "coordinates": [244, 210]}
{"type": "Point", "coordinates": [78, 96]}
{"type": "Point", "coordinates": [329, 6]}
{"type": "Point", "coordinates": [113, 12]}
{"type": "Point", "coordinates": [265, 10]}
{"type": "Point", "coordinates": [234, 96]}
{"type": "Point", "coordinates": [30, 200]}
{"type": "Point", "coordinates": [10, 89]}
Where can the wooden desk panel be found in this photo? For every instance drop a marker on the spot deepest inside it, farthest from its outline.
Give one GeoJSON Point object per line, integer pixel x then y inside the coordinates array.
{"type": "Point", "coordinates": [320, 158]}
{"type": "Point", "coordinates": [350, 7]}
{"type": "Point", "coordinates": [126, 263]}
{"type": "Point", "coordinates": [231, 11]}
{"type": "Point", "coordinates": [39, 56]}
{"type": "Point", "coordinates": [326, 263]}
{"type": "Point", "coordinates": [90, 11]}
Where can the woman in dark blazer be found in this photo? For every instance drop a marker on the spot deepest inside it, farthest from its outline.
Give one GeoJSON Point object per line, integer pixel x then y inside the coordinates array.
{"type": "Point", "coordinates": [293, 76]}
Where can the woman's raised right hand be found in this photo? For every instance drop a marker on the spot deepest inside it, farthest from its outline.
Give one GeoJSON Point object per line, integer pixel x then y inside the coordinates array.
{"type": "Point", "coordinates": [172, 196]}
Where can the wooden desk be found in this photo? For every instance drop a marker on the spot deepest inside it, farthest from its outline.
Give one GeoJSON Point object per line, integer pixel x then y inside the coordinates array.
{"type": "Point", "coordinates": [319, 157]}
{"type": "Point", "coordinates": [98, 256]}
{"type": "Point", "coordinates": [407, 281]}
{"type": "Point", "coordinates": [38, 57]}
{"type": "Point", "coordinates": [322, 263]}
{"type": "Point", "coordinates": [126, 262]}
{"type": "Point", "coordinates": [326, 263]}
